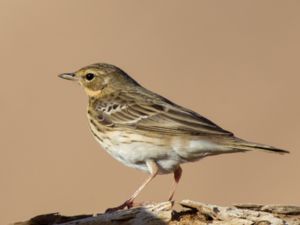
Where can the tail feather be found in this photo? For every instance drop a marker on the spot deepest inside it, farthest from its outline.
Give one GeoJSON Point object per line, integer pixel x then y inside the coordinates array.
{"type": "Point", "coordinates": [243, 145]}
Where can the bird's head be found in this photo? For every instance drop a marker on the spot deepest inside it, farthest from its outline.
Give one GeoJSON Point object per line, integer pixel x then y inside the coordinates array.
{"type": "Point", "coordinates": [100, 77]}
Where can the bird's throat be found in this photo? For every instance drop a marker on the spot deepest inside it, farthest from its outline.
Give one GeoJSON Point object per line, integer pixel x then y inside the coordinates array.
{"type": "Point", "coordinates": [92, 93]}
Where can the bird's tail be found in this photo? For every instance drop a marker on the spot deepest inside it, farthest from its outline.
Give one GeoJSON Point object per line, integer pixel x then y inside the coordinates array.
{"type": "Point", "coordinates": [242, 145]}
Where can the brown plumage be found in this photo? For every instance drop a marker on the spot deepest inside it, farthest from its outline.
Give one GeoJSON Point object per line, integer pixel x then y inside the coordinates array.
{"type": "Point", "coordinates": [145, 130]}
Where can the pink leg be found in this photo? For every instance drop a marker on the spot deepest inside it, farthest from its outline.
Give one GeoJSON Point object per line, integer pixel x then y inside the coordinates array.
{"type": "Point", "coordinates": [177, 175]}
{"type": "Point", "coordinates": [153, 168]}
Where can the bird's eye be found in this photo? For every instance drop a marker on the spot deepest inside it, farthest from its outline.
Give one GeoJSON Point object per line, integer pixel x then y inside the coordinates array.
{"type": "Point", "coordinates": [89, 76]}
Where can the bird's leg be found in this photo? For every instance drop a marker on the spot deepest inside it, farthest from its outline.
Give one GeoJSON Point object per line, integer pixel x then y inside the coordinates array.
{"type": "Point", "coordinates": [153, 169]}
{"type": "Point", "coordinates": [177, 175]}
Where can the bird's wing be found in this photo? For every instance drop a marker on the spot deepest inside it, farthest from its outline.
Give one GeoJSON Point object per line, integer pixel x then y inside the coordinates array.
{"type": "Point", "coordinates": [153, 113]}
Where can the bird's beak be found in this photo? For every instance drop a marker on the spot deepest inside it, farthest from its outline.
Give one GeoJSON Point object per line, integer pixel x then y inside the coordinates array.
{"type": "Point", "coordinates": [68, 76]}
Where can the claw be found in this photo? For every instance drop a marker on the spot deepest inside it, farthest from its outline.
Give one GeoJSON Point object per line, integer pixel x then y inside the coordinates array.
{"type": "Point", "coordinates": [128, 204]}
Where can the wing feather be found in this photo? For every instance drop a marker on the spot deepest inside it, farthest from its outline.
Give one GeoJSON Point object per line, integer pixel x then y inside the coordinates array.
{"type": "Point", "coordinates": [153, 113]}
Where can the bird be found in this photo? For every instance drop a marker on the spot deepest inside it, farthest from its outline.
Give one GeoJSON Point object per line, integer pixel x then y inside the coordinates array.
{"type": "Point", "coordinates": [146, 131]}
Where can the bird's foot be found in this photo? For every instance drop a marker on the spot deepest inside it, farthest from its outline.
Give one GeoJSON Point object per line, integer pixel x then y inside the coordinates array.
{"type": "Point", "coordinates": [129, 204]}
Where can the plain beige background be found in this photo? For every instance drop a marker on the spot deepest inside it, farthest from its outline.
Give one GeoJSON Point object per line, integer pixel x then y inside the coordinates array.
{"type": "Point", "coordinates": [235, 62]}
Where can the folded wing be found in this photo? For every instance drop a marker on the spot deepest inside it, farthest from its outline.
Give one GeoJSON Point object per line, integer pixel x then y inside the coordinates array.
{"type": "Point", "coordinates": [153, 113]}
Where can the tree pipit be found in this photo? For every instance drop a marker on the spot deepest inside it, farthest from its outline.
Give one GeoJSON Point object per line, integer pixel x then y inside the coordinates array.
{"type": "Point", "coordinates": [146, 131]}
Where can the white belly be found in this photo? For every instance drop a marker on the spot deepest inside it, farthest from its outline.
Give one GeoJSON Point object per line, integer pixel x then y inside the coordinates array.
{"type": "Point", "coordinates": [135, 149]}
{"type": "Point", "coordinates": [134, 152]}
